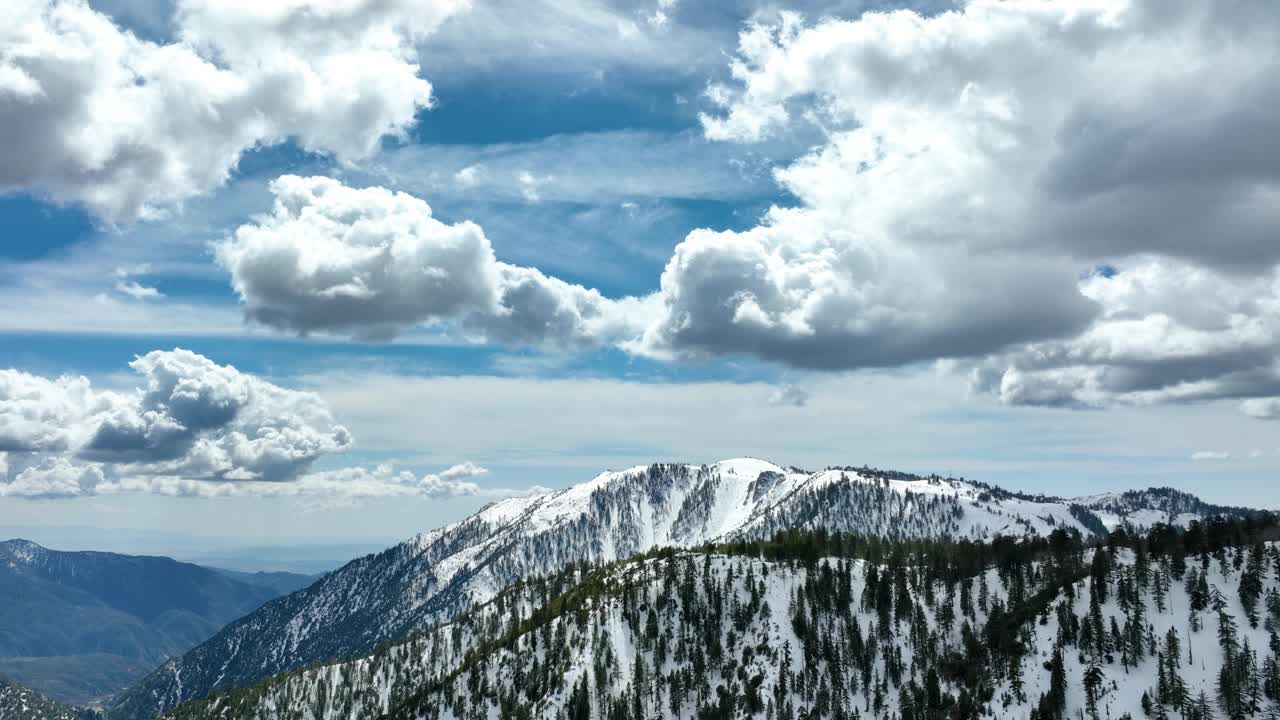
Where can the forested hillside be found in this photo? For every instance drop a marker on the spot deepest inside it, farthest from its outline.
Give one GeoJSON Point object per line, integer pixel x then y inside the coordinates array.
{"type": "Point", "coordinates": [23, 703]}
{"type": "Point", "coordinates": [1170, 623]}
{"type": "Point", "coordinates": [441, 574]}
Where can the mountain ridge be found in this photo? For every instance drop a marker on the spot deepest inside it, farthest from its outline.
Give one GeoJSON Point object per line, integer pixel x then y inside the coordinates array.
{"type": "Point", "coordinates": [555, 647]}
{"type": "Point", "coordinates": [80, 625]}
{"type": "Point", "coordinates": [438, 574]}
{"type": "Point", "coordinates": [23, 703]}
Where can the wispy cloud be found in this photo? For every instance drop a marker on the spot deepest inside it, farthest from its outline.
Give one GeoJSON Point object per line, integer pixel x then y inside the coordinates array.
{"type": "Point", "coordinates": [789, 395]}
{"type": "Point", "coordinates": [608, 167]}
{"type": "Point", "coordinates": [138, 291]}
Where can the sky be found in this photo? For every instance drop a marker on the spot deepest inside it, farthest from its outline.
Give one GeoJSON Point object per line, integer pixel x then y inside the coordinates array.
{"type": "Point", "coordinates": [335, 273]}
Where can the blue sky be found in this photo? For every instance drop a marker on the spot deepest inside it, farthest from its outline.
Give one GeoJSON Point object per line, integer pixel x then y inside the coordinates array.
{"type": "Point", "coordinates": [796, 231]}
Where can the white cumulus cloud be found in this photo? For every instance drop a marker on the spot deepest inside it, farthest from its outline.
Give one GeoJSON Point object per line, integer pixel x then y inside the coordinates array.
{"type": "Point", "coordinates": [54, 477]}
{"type": "Point", "coordinates": [1267, 408]}
{"type": "Point", "coordinates": [976, 161]}
{"type": "Point", "coordinates": [979, 162]}
{"type": "Point", "coordinates": [191, 417]}
{"type": "Point", "coordinates": [192, 428]}
{"type": "Point", "coordinates": [92, 114]}
{"type": "Point", "coordinates": [1075, 201]}
{"type": "Point", "coordinates": [369, 262]}
{"type": "Point", "coordinates": [1168, 331]}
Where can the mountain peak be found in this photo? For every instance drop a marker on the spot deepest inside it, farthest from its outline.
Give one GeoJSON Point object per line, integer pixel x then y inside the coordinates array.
{"type": "Point", "coordinates": [440, 574]}
{"type": "Point", "coordinates": [22, 550]}
{"type": "Point", "coordinates": [747, 466]}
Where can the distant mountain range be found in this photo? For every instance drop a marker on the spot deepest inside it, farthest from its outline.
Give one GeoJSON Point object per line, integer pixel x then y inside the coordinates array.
{"type": "Point", "coordinates": [247, 553]}
{"type": "Point", "coordinates": [441, 574]}
{"type": "Point", "coordinates": [80, 626]}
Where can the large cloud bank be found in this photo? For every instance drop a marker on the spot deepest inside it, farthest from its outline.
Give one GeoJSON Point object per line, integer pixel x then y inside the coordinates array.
{"type": "Point", "coordinates": [193, 427]}
{"type": "Point", "coordinates": [92, 114]}
{"type": "Point", "coordinates": [1077, 202]}
{"type": "Point", "coordinates": [979, 163]}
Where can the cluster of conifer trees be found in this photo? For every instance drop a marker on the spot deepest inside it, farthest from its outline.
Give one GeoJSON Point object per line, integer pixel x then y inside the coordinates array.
{"type": "Point", "coordinates": [829, 625]}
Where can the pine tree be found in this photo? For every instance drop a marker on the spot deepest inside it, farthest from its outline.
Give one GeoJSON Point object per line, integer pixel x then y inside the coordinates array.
{"type": "Point", "coordinates": [1227, 634]}
{"type": "Point", "coordinates": [933, 692]}
{"type": "Point", "coordinates": [1015, 677]}
{"type": "Point", "coordinates": [1097, 632]}
{"type": "Point", "coordinates": [1137, 626]}
{"type": "Point", "coordinates": [1160, 588]}
{"type": "Point", "coordinates": [580, 701]}
{"type": "Point", "coordinates": [1203, 710]}
{"type": "Point", "coordinates": [1172, 659]}
{"type": "Point", "coordinates": [1271, 679]}
{"type": "Point", "coordinates": [1161, 713]}
{"type": "Point", "coordinates": [1093, 679]}
{"type": "Point", "coordinates": [1251, 586]}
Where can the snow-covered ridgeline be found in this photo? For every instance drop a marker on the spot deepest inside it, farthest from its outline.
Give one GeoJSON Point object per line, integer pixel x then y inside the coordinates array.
{"type": "Point", "coordinates": [782, 640]}
{"type": "Point", "coordinates": [437, 575]}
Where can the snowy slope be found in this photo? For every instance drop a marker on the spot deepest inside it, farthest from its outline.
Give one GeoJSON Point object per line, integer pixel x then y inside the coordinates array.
{"type": "Point", "coordinates": [21, 703]}
{"type": "Point", "coordinates": [437, 575]}
{"type": "Point", "coordinates": [693, 629]}
{"type": "Point", "coordinates": [1201, 658]}
{"type": "Point", "coordinates": [614, 635]}
{"type": "Point", "coordinates": [1145, 508]}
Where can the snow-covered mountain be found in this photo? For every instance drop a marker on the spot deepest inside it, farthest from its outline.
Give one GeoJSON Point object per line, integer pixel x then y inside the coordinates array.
{"type": "Point", "coordinates": [23, 703]}
{"type": "Point", "coordinates": [1059, 634]}
{"type": "Point", "coordinates": [1144, 508]}
{"type": "Point", "coordinates": [438, 575]}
